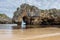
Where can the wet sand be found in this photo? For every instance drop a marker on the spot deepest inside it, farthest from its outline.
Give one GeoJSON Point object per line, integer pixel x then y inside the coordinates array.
{"type": "Point", "coordinates": [30, 34]}
{"type": "Point", "coordinates": [48, 33]}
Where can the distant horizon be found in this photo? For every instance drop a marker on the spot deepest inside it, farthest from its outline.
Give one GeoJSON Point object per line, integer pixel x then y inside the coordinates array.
{"type": "Point", "coordinates": [9, 6]}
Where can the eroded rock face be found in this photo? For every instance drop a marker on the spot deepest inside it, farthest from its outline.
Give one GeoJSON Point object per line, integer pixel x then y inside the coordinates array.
{"type": "Point", "coordinates": [27, 11]}
{"type": "Point", "coordinates": [4, 19]}
{"type": "Point", "coordinates": [33, 15]}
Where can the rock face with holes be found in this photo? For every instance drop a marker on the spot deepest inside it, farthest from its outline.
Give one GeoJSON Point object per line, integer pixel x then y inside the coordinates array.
{"type": "Point", "coordinates": [33, 15]}
{"type": "Point", "coordinates": [25, 12]}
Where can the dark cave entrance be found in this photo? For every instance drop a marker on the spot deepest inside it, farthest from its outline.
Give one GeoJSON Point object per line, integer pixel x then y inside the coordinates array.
{"type": "Point", "coordinates": [25, 19]}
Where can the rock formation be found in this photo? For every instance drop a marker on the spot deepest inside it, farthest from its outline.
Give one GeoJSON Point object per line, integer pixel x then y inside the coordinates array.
{"type": "Point", "coordinates": [33, 15]}
{"type": "Point", "coordinates": [4, 19]}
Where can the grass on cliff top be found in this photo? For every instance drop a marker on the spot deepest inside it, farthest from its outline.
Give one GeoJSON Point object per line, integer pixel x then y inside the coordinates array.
{"type": "Point", "coordinates": [3, 15]}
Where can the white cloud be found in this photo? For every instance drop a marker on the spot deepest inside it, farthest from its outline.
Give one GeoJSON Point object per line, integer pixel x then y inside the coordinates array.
{"type": "Point", "coordinates": [9, 6]}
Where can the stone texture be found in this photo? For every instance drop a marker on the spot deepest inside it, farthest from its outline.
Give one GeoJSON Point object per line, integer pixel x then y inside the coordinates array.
{"type": "Point", "coordinates": [34, 15]}
{"type": "Point", "coordinates": [4, 19]}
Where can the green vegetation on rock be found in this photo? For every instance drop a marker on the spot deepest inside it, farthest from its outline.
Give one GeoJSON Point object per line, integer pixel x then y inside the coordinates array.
{"type": "Point", "coordinates": [4, 19]}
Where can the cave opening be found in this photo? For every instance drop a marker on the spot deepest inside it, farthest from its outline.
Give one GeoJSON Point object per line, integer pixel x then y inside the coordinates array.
{"type": "Point", "coordinates": [25, 19]}
{"type": "Point", "coordinates": [23, 23]}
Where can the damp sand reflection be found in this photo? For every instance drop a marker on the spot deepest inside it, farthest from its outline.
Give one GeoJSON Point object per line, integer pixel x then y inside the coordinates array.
{"type": "Point", "coordinates": [13, 32]}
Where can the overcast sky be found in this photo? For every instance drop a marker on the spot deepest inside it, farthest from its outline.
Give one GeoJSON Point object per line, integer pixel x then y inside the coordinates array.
{"type": "Point", "coordinates": [9, 6]}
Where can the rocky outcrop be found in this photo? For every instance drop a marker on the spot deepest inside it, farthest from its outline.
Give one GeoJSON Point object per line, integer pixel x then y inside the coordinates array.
{"type": "Point", "coordinates": [4, 19]}
{"type": "Point", "coordinates": [33, 15]}
{"type": "Point", "coordinates": [27, 11]}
